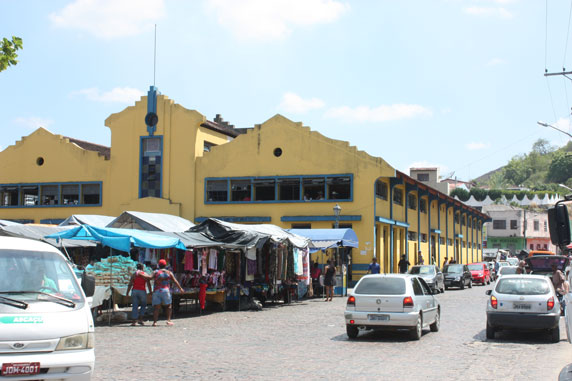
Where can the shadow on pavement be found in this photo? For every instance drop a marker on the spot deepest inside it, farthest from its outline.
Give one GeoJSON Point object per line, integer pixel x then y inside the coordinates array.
{"type": "Point", "coordinates": [378, 336]}
{"type": "Point", "coordinates": [515, 337]}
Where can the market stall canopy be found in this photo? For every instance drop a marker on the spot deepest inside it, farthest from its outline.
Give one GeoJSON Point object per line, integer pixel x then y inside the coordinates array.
{"type": "Point", "coordinates": [247, 235]}
{"type": "Point", "coordinates": [8, 223]}
{"type": "Point", "coordinates": [87, 219]}
{"type": "Point", "coordinates": [326, 238]}
{"type": "Point", "coordinates": [150, 222]}
{"type": "Point", "coordinates": [195, 239]}
{"type": "Point", "coordinates": [39, 232]}
{"type": "Point", "coordinates": [120, 239]}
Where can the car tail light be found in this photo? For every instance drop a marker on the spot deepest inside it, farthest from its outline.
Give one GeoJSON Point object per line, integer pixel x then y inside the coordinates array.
{"type": "Point", "coordinates": [550, 303]}
{"type": "Point", "coordinates": [352, 321]}
{"type": "Point", "coordinates": [494, 302]}
{"type": "Point", "coordinates": [408, 301]}
{"type": "Point", "coordinates": [351, 301]}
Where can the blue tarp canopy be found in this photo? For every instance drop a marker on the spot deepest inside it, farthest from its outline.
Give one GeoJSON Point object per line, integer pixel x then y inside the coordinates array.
{"type": "Point", "coordinates": [327, 238]}
{"type": "Point", "coordinates": [120, 239]}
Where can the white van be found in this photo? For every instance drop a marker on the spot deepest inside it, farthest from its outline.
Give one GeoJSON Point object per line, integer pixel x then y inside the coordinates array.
{"type": "Point", "coordinates": [46, 326]}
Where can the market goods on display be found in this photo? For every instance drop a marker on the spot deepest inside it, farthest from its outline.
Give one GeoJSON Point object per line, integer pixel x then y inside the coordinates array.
{"type": "Point", "coordinates": [114, 270]}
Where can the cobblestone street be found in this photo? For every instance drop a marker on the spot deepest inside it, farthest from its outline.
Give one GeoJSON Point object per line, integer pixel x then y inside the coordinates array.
{"type": "Point", "coordinates": [307, 340]}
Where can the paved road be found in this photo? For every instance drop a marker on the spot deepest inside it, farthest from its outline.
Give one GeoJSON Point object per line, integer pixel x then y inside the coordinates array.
{"type": "Point", "coordinates": [307, 340]}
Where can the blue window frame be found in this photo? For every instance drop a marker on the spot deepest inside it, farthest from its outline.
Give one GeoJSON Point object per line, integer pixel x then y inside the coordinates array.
{"type": "Point", "coordinates": [151, 166]}
{"type": "Point", "coordinates": [51, 195]}
{"type": "Point", "coordinates": [277, 189]}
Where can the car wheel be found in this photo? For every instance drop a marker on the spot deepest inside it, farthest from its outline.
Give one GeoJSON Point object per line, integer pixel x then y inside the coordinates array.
{"type": "Point", "coordinates": [352, 331]}
{"type": "Point", "coordinates": [489, 281]}
{"type": "Point", "coordinates": [555, 335]}
{"type": "Point", "coordinates": [418, 330]}
{"type": "Point", "coordinates": [462, 287]}
{"type": "Point", "coordinates": [437, 323]}
{"type": "Point", "coordinates": [470, 283]}
{"type": "Point", "coordinates": [490, 332]}
{"type": "Point", "coordinates": [446, 287]}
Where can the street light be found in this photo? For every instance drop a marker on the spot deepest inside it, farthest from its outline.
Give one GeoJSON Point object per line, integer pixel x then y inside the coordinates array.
{"type": "Point", "coordinates": [551, 126]}
{"type": "Point", "coordinates": [337, 210]}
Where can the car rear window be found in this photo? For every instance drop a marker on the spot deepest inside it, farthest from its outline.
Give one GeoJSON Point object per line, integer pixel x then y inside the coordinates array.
{"type": "Point", "coordinates": [422, 270]}
{"type": "Point", "coordinates": [506, 270]}
{"type": "Point", "coordinates": [522, 286]}
{"type": "Point", "coordinates": [381, 286]}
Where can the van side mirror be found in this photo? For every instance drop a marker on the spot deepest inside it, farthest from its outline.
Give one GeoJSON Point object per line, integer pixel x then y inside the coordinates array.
{"type": "Point", "coordinates": [559, 225]}
{"type": "Point", "coordinates": [88, 284]}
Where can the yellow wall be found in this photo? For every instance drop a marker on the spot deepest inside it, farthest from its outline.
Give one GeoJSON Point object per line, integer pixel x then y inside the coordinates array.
{"type": "Point", "coordinates": [185, 166]}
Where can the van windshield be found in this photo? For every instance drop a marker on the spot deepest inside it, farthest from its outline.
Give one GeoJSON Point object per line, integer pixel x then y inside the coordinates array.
{"type": "Point", "coordinates": [29, 275]}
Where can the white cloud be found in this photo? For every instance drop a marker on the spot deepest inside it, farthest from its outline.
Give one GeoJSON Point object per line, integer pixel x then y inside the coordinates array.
{"type": "Point", "coordinates": [293, 103]}
{"type": "Point", "coordinates": [474, 146]}
{"type": "Point", "coordinates": [270, 20]}
{"type": "Point", "coordinates": [33, 122]}
{"type": "Point", "coordinates": [563, 124]}
{"type": "Point", "coordinates": [381, 113]}
{"type": "Point", "coordinates": [116, 95]}
{"type": "Point", "coordinates": [496, 62]}
{"type": "Point", "coordinates": [109, 18]}
{"type": "Point", "coordinates": [489, 12]}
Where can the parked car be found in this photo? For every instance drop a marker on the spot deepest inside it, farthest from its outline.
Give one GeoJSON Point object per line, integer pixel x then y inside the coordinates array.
{"type": "Point", "coordinates": [513, 261]}
{"type": "Point", "coordinates": [526, 302]}
{"type": "Point", "coordinates": [48, 330]}
{"type": "Point", "coordinates": [568, 310]}
{"type": "Point", "coordinates": [533, 253]}
{"type": "Point", "coordinates": [480, 272]}
{"type": "Point", "coordinates": [457, 275]}
{"type": "Point", "coordinates": [507, 270]}
{"type": "Point", "coordinates": [432, 276]}
{"type": "Point", "coordinates": [542, 264]}
{"type": "Point", "coordinates": [392, 302]}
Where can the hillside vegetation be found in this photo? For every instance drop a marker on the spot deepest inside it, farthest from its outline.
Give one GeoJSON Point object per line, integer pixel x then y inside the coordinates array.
{"type": "Point", "coordinates": [540, 171]}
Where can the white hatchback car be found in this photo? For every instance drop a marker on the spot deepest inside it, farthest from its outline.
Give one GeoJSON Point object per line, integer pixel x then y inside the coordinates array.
{"type": "Point", "coordinates": [392, 302]}
{"type": "Point", "coordinates": [526, 302]}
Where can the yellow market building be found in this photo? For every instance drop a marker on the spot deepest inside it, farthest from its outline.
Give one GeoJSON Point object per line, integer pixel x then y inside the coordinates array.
{"type": "Point", "coordinates": [165, 158]}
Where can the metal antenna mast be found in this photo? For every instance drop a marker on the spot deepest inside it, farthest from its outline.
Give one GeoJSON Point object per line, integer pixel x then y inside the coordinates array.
{"type": "Point", "coordinates": [155, 56]}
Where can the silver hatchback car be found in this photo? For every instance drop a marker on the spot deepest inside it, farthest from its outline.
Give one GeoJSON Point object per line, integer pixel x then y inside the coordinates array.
{"type": "Point", "coordinates": [392, 302]}
{"type": "Point", "coordinates": [526, 302]}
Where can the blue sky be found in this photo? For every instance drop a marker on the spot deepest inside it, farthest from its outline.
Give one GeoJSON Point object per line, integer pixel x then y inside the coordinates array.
{"type": "Point", "coordinates": [451, 83]}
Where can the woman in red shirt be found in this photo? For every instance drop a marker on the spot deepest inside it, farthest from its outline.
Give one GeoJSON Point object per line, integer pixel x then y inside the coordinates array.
{"type": "Point", "coordinates": [139, 295]}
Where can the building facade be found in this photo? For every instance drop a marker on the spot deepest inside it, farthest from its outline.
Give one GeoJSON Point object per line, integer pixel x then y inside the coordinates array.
{"type": "Point", "coordinates": [168, 159]}
{"type": "Point", "coordinates": [517, 229]}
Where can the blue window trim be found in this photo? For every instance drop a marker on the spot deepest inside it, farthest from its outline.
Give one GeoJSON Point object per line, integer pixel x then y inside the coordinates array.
{"type": "Point", "coordinates": [276, 179]}
{"type": "Point", "coordinates": [59, 185]}
{"type": "Point", "coordinates": [320, 218]}
{"type": "Point", "coordinates": [52, 221]}
{"type": "Point", "coordinates": [391, 222]}
{"type": "Point", "coordinates": [142, 154]}
{"type": "Point", "coordinates": [236, 219]}
{"type": "Point", "coordinates": [458, 236]}
{"type": "Point", "coordinates": [436, 231]}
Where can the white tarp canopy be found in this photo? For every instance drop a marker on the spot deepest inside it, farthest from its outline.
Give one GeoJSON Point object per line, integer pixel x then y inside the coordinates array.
{"type": "Point", "coordinates": [87, 219]}
{"type": "Point", "coordinates": [38, 232]}
{"type": "Point", "coordinates": [151, 222]}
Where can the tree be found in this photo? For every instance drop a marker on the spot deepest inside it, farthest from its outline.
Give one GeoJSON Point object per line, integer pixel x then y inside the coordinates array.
{"type": "Point", "coordinates": [463, 194]}
{"type": "Point", "coordinates": [479, 193]}
{"type": "Point", "coordinates": [517, 171]}
{"type": "Point", "coordinates": [560, 168]}
{"type": "Point", "coordinates": [542, 147]}
{"type": "Point", "coordinates": [8, 52]}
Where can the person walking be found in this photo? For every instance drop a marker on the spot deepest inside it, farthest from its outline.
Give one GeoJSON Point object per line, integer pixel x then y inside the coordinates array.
{"type": "Point", "coordinates": [445, 262]}
{"type": "Point", "coordinates": [139, 281]}
{"type": "Point", "coordinates": [403, 264]}
{"type": "Point", "coordinates": [330, 271]}
{"type": "Point", "coordinates": [521, 269]}
{"type": "Point", "coordinates": [315, 274]}
{"type": "Point", "coordinates": [373, 267]}
{"type": "Point", "coordinates": [420, 260]}
{"type": "Point", "coordinates": [162, 291]}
